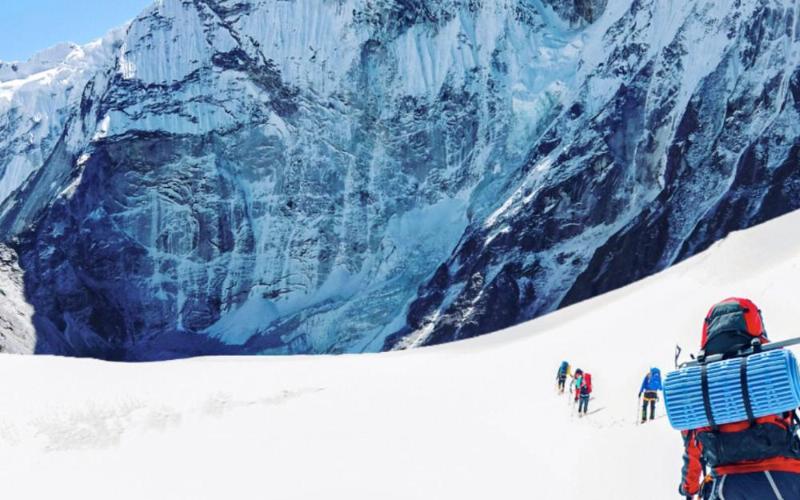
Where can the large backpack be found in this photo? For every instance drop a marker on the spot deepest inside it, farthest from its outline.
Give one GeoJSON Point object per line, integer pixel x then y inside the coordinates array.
{"type": "Point", "coordinates": [731, 325]}
{"type": "Point", "coordinates": [767, 438]}
{"type": "Point", "coordinates": [562, 370]}
{"type": "Point", "coordinates": [587, 383]}
{"type": "Point", "coordinates": [655, 378]}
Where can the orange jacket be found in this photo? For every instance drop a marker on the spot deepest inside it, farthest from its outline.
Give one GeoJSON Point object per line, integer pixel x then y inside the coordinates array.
{"type": "Point", "coordinates": [693, 464]}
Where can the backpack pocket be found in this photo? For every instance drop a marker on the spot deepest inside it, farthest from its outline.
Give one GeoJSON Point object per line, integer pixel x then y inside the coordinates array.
{"type": "Point", "coordinates": [759, 442]}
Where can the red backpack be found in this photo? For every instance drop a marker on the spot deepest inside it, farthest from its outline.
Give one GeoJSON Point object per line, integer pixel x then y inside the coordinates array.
{"type": "Point", "coordinates": [731, 325]}
{"type": "Point", "coordinates": [587, 382]}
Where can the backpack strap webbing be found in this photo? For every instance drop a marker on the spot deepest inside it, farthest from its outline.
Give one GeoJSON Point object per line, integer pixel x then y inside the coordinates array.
{"type": "Point", "coordinates": [706, 400]}
{"type": "Point", "coordinates": [748, 407]}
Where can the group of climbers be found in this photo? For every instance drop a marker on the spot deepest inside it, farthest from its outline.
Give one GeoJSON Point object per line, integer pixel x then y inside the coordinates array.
{"type": "Point", "coordinates": [758, 458]}
{"type": "Point", "coordinates": [755, 459]}
{"type": "Point", "coordinates": [580, 385]}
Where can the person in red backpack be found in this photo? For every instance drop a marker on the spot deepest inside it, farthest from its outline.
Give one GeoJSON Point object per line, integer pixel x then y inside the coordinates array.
{"type": "Point", "coordinates": [749, 460]}
{"type": "Point", "coordinates": [585, 394]}
{"type": "Point", "coordinates": [576, 384]}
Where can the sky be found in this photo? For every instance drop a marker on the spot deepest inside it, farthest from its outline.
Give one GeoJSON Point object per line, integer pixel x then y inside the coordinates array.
{"type": "Point", "coordinates": [28, 26]}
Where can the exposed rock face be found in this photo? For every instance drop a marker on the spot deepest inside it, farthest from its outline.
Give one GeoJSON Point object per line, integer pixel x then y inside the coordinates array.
{"type": "Point", "coordinates": [17, 335]}
{"type": "Point", "coordinates": [264, 176]}
{"type": "Point", "coordinates": [578, 12]}
{"type": "Point", "coordinates": [696, 137]}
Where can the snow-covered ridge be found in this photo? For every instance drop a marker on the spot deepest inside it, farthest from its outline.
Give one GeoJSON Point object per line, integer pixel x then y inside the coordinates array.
{"type": "Point", "coordinates": [48, 59]}
{"type": "Point", "coordinates": [39, 97]}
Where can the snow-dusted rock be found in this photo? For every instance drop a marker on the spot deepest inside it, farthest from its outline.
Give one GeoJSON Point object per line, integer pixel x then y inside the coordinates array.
{"type": "Point", "coordinates": [686, 128]}
{"type": "Point", "coordinates": [17, 335]}
{"type": "Point", "coordinates": [577, 12]}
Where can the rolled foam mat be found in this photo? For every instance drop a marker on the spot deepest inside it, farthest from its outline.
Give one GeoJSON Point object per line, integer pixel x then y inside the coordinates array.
{"type": "Point", "coordinates": [772, 379]}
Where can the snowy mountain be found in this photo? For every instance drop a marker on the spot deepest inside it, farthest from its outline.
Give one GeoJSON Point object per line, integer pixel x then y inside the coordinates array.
{"type": "Point", "coordinates": [475, 419]}
{"type": "Point", "coordinates": [263, 176]}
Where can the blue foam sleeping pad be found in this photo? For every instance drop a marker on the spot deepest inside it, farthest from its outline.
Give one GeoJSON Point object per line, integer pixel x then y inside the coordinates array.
{"type": "Point", "coordinates": [772, 379]}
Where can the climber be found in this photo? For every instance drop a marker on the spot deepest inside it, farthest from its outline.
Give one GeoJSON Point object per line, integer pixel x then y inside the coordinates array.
{"type": "Point", "coordinates": [585, 394]}
{"type": "Point", "coordinates": [752, 459]}
{"type": "Point", "coordinates": [564, 371]}
{"type": "Point", "coordinates": [576, 383]}
{"type": "Point", "coordinates": [650, 387]}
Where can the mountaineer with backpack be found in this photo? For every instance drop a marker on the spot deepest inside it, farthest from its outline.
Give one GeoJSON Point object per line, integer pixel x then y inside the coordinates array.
{"type": "Point", "coordinates": [564, 371]}
{"type": "Point", "coordinates": [585, 393]}
{"type": "Point", "coordinates": [576, 383]}
{"type": "Point", "coordinates": [650, 387]}
{"type": "Point", "coordinates": [757, 458]}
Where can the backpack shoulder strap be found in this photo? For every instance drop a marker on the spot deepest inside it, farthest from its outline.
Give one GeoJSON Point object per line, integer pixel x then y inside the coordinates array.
{"type": "Point", "coordinates": [706, 400]}
{"type": "Point", "coordinates": [751, 419]}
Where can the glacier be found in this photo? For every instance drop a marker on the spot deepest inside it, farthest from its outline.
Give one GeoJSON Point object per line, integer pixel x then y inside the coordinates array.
{"type": "Point", "coordinates": [328, 176]}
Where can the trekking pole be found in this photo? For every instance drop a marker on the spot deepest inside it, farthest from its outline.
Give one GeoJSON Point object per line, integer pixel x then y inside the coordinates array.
{"type": "Point", "coordinates": [638, 405]}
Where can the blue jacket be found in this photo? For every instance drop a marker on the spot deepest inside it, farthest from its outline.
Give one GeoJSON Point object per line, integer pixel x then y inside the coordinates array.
{"type": "Point", "coordinates": [651, 382]}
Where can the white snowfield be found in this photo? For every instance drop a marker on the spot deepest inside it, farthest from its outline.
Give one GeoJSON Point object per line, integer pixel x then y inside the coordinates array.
{"type": "Point", "coordinates": [478, 419]}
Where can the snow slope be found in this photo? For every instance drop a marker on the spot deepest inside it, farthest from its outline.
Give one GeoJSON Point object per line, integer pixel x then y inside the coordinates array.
{"type": "Point", "coordinates": [474, 419]}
